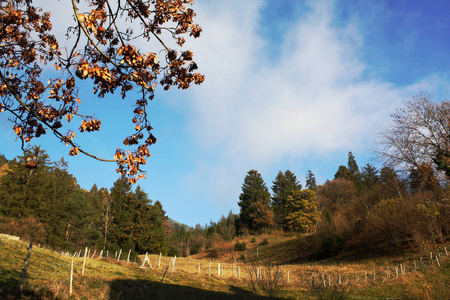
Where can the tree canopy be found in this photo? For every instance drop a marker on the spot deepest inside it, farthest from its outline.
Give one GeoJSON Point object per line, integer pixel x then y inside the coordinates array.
{"type": "Point", "coordinates": [419, 136]}
{"type": "Point", "coordinates": [40, 80]}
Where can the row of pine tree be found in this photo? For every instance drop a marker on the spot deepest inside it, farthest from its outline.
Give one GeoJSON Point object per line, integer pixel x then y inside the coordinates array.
{"type": "Point", "coordinates": [41, 201]}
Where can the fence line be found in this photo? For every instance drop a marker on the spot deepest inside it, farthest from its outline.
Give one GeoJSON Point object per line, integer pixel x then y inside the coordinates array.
{"type": "Point", "coordinates": [292, 274]}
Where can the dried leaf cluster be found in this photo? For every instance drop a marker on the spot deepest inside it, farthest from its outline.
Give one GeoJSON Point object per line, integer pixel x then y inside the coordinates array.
{"type": "Point", "coordinates": [102, 52]}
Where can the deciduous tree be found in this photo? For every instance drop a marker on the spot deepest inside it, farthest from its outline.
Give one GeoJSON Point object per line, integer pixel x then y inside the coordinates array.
{"type": "Point", "coordinates": [102, 49]}
{"type": "Point", "coordinates": [420, 134]}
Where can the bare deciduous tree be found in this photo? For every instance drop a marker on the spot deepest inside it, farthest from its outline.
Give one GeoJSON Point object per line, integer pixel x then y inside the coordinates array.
{"type": "Point", "coordinates": [419, 135]}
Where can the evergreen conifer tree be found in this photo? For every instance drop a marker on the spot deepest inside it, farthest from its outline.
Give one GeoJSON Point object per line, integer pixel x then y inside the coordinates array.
{"type": "Point", "coordinates": [303, 207]}
{"type": "Point", "coordinates": [122, 212]}
{"type": "Point", "coordinates": [369, 176]}
{"type": "Point", "coordinates": [343, 172]}
{"type": "Point", "coordinates": [254, 191]}
{"type": "Point", "coordinates": [311, 181]}
{"type": "Point", "coordinates": [283, 186]}
{"type": "Point", "coordinates": [352, 165]}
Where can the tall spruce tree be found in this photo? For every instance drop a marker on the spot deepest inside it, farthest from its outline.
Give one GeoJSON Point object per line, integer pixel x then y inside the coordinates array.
{"type": "Point", "coordinates": [253, 201]}
{"type": "Point", "coordinates": [136, 223]}
{"type": "Point", "coordinates": [122, 208]}
{"type": "Point", "coordinates": [150, 224]}
{"type": "Point", "coordinates": [160, 226]}
{"type": "Point", "coordinates": [283, 186]}
{"type": "Point", "coordinates": [352, 165]}
{"type": "Point", "coordinates": [369, 176]}
{"type": "Point", "coordinates": [311, 183]}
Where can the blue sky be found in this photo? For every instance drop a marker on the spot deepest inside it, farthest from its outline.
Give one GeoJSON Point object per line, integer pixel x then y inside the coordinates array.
{"type": "Point", "coordinates": [289, 85]}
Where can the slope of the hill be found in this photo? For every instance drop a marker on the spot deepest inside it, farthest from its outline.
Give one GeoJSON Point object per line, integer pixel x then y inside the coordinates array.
{"type": "Point", "coordinates": [48, 276]}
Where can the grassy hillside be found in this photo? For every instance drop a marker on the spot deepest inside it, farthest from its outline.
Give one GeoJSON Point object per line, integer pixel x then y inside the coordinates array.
{"type": "Point", "coordinates": [49, 276]}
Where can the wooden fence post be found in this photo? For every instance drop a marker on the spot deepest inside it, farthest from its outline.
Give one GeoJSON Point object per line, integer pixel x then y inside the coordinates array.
{"type": "Point", "coordinates": [71, 277]}
{"type": "Point", "coordinates": [173, 263]}
{"type": "Point", "coordinates": [218, 269]}
{"type": "Point", "coordinates": [84, 261]}
{"type": "Point", "coordinates": [27, 260]}
{"type": "Point", "coordinates": [159, 261]}
{"type": "Point", "coordinates": [128, 258]}
{"type": "Point", "coordinates": [120, 252]}
{"type": "Point", "coordinates": [439, 265]}
{"type": "Point", "coordinates": [209, 268]}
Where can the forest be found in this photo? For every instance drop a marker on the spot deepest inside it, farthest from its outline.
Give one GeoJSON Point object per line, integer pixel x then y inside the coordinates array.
{"type": "Point", "coordinates": [362, 209]}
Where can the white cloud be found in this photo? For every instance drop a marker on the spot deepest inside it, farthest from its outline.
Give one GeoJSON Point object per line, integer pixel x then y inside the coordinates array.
{"type": "Point", "coordinates": [317, 96]}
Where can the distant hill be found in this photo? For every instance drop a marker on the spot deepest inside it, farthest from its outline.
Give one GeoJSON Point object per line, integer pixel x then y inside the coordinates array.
{"type": "Point", "coordinates": [172, 221]}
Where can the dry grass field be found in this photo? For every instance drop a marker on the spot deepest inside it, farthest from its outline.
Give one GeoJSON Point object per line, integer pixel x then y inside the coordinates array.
{"type": "Point", "coordinates": [48, 276]}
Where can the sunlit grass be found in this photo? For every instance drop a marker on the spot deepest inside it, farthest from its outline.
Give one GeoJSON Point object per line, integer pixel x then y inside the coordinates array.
{"type": "Point", "coordinates": [48, 276]}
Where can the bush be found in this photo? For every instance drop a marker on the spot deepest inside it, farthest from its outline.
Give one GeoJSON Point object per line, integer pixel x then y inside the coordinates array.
{"type": "Point", "coordinates": [264, 242]}
{"type": "Point", "coordinates": [319, 291]}
{"type": "Point", "coordinates": [265, 280]}
{"type": "Point", "coordinates": [213, 253]}
{"type": "Point", "coordinates": [331, 245]}
{"type": "Point", "coordinates": [240, 246]}
{"type": "Point", "coordinates": [172, 252]}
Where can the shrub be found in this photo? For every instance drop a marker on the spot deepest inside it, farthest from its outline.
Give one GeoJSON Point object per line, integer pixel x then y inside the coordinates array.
{"type": "Point", "coordinates": [265, 280]}
{"type": "Point", "coordinates": [264, 242]}
{"type": "Point", "coordinates": [240, 246]}
{"type": "Point", "coordinates": [319, 291]}
{"type": "Point", "coordinates": [213, 253]}
{"type": "Point", "coordinates": [331, 244]}
{"type": "Point", "coordinates": [172, 252]}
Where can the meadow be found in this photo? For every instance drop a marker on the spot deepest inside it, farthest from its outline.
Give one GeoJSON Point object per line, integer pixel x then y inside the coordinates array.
{"type": "Point", "coordinates": [404, 276]}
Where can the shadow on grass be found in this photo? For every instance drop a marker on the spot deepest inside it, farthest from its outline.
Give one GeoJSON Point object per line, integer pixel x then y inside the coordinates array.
{"type": "Point", "coordinates": [9, 287]}
{"type": "Point", "coordinates": [144, 289]}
